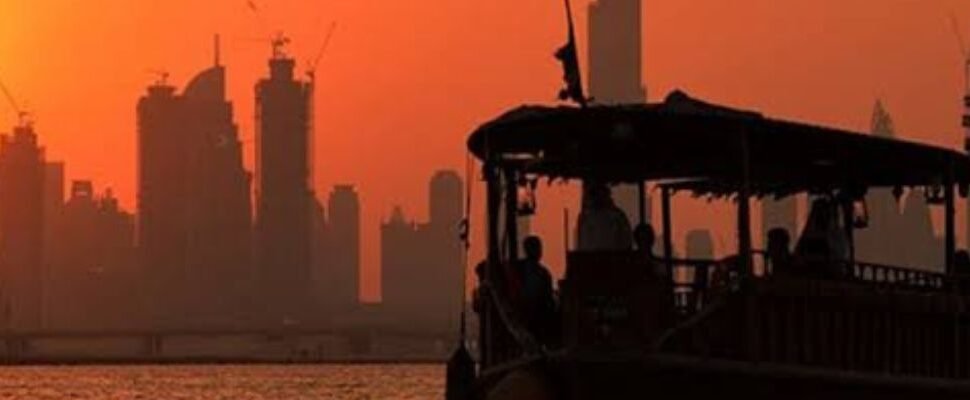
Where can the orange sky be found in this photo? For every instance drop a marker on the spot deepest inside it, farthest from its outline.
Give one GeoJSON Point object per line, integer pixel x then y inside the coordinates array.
{"type": "Point", "coordinates": [405, 81]}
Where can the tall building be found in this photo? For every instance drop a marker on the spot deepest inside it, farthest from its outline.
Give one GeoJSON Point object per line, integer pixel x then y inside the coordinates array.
{"type": "Point", "coordinates": [53, 210]}
{"type": "Point", "coordinates": [283, 189]}
{"type": "Point", "coordinates": [95, 263]}
{"type": "Point", "coordinates": [22, 171]}
{"type": "Point", "coordinates": [616, 71]}
{"type": "Point", "coordinates": [342, 260]}
{"type": "Point", "coordinates": [194, 228]}
{"type": "Point", "coordinates": [418, 256]}
{"type": "Point", "coordinates": [891, 224]}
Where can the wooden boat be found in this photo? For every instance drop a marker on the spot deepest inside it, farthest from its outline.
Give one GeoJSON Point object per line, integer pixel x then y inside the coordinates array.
{"type": "Point", "coordinates": [745, 325]}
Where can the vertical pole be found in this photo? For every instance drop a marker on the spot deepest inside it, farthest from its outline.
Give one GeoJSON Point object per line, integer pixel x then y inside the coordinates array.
{"type": "Point", "coordinates": [668, 231]}
{"type": "Point", "coordinates": [511, 214]}
{"type": "Point", "coordinates": [848, 209]}
{"type": "Point", "coordinates": [493, 262]}
{"type": "Point", "coordinates": [642, 193]}
{"type": "Point", "coordinates": [949, 215]}
{"type": "Point", "coordinates": [744, 209]}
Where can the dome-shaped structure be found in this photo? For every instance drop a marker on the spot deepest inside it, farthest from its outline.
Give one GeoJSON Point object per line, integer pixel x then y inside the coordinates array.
{"type": "Point", "coordinates": [209, 85]}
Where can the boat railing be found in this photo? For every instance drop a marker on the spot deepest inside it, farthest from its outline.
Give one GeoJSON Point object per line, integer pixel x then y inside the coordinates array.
{"type": "Point", "coordinates": [697, 281]}
{"type": "Point", "coordinates": [897, 277]}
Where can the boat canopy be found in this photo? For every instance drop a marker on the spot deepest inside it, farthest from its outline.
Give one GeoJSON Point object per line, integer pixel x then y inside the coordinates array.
{"type": "Point", "coordinates": [707, 148]}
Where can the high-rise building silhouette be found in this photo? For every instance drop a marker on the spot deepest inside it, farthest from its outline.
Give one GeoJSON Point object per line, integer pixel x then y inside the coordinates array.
{"type": "Point", "coordinates": [341, 277]}
{"type": "Point", "coordinates": [95, 263]}
{"type": "Point", "coordinates": [897, 235]}
{"type": "Point", "coordinates": [194, 228]}
{"type": "Point", "coordinates": [22, 171]}
{"type": "Point", "coordinates": [616, 71]}
{"type": "Point", "coordinates": [53, 210]}
{"type": "Point", "coordinates": [415, 257]}
{"type": "Point", "coordinates": [283, 189]}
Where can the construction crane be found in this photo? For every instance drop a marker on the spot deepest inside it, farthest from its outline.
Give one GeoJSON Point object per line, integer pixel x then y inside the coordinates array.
{"type": "Point", "coordinates": [965, 53]}
{"type": "Point", "coordinates": [312, 65]}
{"type": "Point", "coordinates": [23, 116]}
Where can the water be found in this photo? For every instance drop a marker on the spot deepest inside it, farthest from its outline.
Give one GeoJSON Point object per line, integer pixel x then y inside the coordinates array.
{"type": "Point", "coordinates": [242, 382]}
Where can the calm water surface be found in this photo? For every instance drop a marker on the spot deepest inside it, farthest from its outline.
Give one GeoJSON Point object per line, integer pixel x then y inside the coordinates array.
{"type": "Point", "coordinates": [249, 382]}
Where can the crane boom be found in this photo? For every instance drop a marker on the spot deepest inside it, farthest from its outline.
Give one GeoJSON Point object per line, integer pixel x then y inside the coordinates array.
{"type": "Point", "coordinates": [22, 116]}
{"type": "Point", "coordinates": [964, 51]}
{"type": "Point", "coordinates": [312, 68]}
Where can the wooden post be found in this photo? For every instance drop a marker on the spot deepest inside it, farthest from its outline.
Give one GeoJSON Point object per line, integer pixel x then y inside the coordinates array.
{"type": "Point", "coordinates": [511, 214]}
{"type": "Point", "coordinates": [744, 209]}
{"type": "Point", "coordinates": [492, 266]}
{"type": "Point", "coordinates": [642, 193]}
{"type": "Point", "coordinates": [949, 215]}
{"type": "Point", "coordinates": [668, 231]}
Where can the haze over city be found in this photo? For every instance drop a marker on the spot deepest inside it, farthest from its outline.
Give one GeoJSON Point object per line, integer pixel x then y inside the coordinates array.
{"type": "Point", "coordinates": [399, 74]}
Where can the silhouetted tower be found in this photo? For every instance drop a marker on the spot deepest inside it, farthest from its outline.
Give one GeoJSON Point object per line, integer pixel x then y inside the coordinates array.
{"type": "Point", "coordinates": [897, 235]}
{"type": "Point", "coordinates": [22, 171]}
{"type": "Point", "coordinates": [445, 247]}
{"type": "Point", "coordinates": [194, 229]}
{"type": "Point", "coordinates": [415, 257]}
{"type": "Point", "coordinates": [343, 254]}
{"type": "Point", "coordinates": [53, 211]}
{"type": "Point", "coordinates": [616, 70]}
{"type": "Point", "coordinates": [401, 275]}
{"type": "Point", "coordinates": [283, 187]}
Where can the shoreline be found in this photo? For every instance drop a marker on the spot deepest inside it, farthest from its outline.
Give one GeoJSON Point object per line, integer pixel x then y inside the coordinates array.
{"type": "Point", "coordinates": [215, 361]}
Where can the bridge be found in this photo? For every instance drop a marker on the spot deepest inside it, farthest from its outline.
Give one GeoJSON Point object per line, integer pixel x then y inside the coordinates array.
{"type": "Point", "coordinates": [19, 346]}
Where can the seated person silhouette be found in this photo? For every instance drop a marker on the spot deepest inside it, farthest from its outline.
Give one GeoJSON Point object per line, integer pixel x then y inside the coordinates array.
{"type": "Point", "coordinates": [645, 238]}
{"type": "Point", "coordinates": [823, 247]}
{"type": "Point", "coordinates": [779, 256]}
{"type": "Point", "coordinates": [602, 226]}
{"type": "Point", "coordinates": [537, 303]}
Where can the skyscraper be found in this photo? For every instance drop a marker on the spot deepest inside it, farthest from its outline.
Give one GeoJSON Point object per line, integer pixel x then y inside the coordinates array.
{"type": "Point", "coordinates": [283, 191]}
{"type": "Point", "coordinates": [616, 70]}
{"type": "Point", "coordinates": [94, 265]}
{"type": "Point", "coordinates": [21, 228]}
{"type": "Point", "coordinates": [415, 257]}
{"type": "Point", "coordinates": [897, 235]}
{"type": "Point", "coordinates": [342, 259]}
{"type": "Point", "coordinates": [194, 228]}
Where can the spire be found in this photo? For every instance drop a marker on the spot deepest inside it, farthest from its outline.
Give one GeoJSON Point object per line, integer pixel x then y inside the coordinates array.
{"type": "Point", "coordinates": [882, 122]}
{"type": "Point", "coordinates": [217, 50]}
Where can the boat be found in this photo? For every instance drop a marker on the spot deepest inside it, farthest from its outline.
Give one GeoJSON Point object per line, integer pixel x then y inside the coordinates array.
{"type": "Point", "coordinates": [745, 325]}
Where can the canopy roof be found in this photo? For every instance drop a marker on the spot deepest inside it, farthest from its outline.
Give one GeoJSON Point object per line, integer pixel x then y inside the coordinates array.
{"type": "Point", "coordinates": [703, 146]}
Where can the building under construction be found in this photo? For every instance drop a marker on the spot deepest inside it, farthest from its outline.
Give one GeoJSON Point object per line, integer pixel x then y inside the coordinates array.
{"type": "Point", "coordinates": [283, 189]}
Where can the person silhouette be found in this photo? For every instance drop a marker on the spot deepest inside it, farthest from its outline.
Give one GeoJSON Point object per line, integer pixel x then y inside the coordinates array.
{"type": "Point", "coordinates": [602, 225]}
{"type": "Point", "coordinates": [645, 239]}
{"type": "Point", "coordinates": [538, 301]}
{"type": "Point", "coordinates": [778, 251]}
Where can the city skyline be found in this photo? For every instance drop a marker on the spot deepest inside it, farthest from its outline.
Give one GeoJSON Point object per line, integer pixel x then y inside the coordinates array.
{"type": "Point", "coordinates": [833, 81]}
